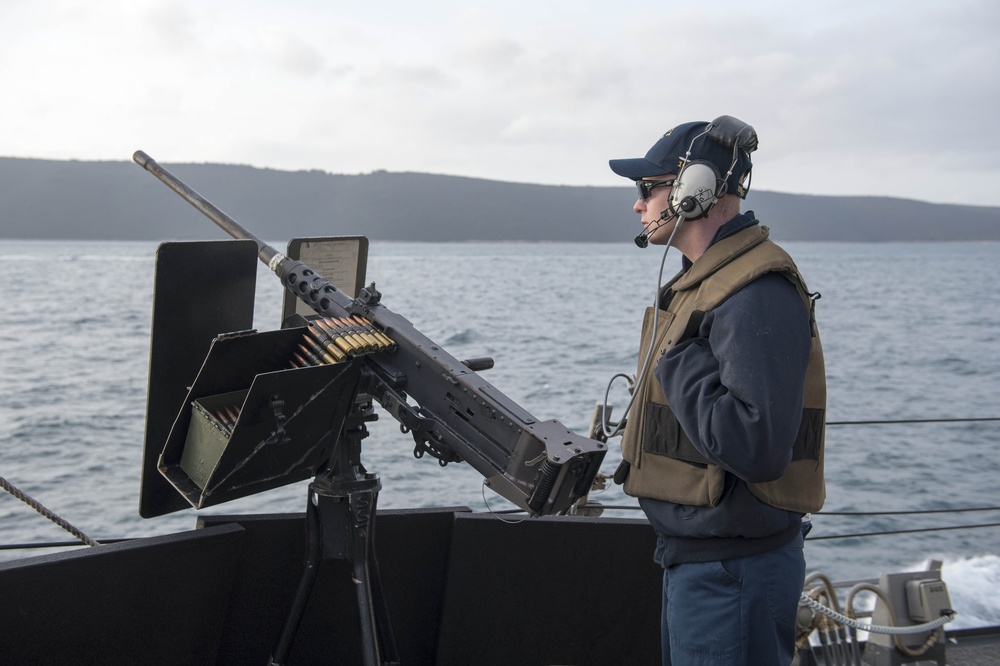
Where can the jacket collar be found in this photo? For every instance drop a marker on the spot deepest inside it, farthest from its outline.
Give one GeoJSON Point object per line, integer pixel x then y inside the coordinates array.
{"type": "Point", "coordinates": [733, 239]}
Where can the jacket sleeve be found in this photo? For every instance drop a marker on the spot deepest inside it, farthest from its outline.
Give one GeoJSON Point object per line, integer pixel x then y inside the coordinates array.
{"type": "Point", "coordinates": [736, 386]}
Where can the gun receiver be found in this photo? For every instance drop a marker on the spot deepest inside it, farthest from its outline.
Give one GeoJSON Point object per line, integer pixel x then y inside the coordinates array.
{"type": "Point", "coordinates": [542, 467]}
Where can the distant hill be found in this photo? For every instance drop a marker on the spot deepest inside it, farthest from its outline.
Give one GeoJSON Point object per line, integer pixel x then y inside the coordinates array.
{"type": "Point", "coordinates": [46, 199]}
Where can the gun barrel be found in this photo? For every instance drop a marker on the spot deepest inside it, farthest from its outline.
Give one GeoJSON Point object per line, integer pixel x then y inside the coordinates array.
{"type": "Point", "coordinates": [210, 210]}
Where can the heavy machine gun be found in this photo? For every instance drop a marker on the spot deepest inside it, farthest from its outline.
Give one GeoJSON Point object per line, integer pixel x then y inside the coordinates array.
{"type": "Point", "coordinates": [541, 466]}
{"type": "Point", "coordinates": [270, 409]}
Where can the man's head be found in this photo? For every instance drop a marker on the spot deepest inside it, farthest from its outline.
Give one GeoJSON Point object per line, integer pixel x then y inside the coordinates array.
{"type": "Point", "coordinates": [724, 144]}
{"type": "Point", "coordinates": [696, 170]}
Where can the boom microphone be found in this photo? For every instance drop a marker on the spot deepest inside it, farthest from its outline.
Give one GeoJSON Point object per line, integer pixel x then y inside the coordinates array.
{"type": "Point", "coordinates": [642, 240]}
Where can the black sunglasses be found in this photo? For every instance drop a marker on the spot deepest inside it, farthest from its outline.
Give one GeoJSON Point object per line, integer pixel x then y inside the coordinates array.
{"type": "Point", "coordinates": [646, 187]}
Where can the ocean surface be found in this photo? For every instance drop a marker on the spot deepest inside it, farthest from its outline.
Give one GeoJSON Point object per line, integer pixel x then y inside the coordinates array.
{"type": "Point", "coordinates": [911, 332]}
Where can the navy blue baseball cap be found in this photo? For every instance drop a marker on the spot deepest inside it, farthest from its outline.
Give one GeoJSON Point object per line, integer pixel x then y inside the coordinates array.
{"type": "Point", "coordinates": [667, 155]}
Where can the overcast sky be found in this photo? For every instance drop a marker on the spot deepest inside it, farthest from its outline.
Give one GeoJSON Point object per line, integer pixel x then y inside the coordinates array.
{"type": "Point", "coordinates": [875, 97]}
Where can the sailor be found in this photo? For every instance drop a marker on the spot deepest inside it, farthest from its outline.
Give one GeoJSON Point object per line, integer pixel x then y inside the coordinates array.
{"type": "Point", "coordinates": [724, 443]}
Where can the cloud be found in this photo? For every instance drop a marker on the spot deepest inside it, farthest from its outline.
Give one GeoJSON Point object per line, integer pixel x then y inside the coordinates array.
{"type": "Point", "coordinates": [859, 98]}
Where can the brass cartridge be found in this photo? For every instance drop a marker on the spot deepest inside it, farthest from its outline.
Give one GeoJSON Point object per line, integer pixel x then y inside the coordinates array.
{"type": "Point", "coordinates": [223, 419]}
{"type": "Point", "coordinates": [368, 330]}
{"type": "Point", "coordinates": [322, 338]}
{"type": "Point", "coordinates": [370, 327]}
{"type": "Point", "coordinates": [311, 357]}
{"type": "Point", "coordinates": [343, 344]}
{"type": "Point", "coordinates": [340, 338]}
{"type": "Point", "coordinates": [351, 333]}
{"type": "Point", "coordinates": [319, 350]}
{"type": "Point", "coordinates": [357, 333]}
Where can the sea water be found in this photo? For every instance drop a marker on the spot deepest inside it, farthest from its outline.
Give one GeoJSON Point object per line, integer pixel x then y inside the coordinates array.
{"type": "Point", "coordinates": [910, 332]}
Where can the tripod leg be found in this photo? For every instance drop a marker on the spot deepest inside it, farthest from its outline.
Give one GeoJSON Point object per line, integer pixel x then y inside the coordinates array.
{"type": "Point", "coordinates": [340, 524]}
{"type": "Point", "coordinates": [378, 642]}
{"type": "Point", "coordinates": [383, 626]}
{"type": "Point", "coordinates": [314, 549]}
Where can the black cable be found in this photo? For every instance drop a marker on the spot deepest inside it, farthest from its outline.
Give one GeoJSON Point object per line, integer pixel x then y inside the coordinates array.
{"type": "Point", "coordinates": [889, 421]}
{"type": "Point", "coordinates": [902, 513]}
{"type": "Point", "coordinates": [626, 507]}
{"type": "Point", "coordinates": [924, 529]}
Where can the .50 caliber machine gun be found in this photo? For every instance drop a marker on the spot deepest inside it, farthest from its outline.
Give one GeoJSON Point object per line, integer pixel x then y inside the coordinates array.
{"type": "Point", "coordinates": [267, 409]}
{"type": "Point", "coordinates": [541, 466]}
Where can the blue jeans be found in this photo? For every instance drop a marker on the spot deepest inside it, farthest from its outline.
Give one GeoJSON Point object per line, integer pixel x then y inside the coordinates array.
{"type": "Point", "coordinates": [737, 612]}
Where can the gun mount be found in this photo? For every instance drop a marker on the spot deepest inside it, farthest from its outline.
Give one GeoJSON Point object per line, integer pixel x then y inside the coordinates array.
{"type": "Point", "coordinates": [267, 409]}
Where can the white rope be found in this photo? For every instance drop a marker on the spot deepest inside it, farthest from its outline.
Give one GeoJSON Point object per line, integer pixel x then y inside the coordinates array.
{"type": "Point", "coordinates": [875, 628]}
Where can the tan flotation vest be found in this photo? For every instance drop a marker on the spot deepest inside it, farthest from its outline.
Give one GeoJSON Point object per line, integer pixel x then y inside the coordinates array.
{"type": "Point", "coordinates": [664, 464]}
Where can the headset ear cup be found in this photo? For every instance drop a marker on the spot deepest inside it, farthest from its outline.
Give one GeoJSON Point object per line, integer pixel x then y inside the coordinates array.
{"type": "Point", "coordinates": [696, 189]}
